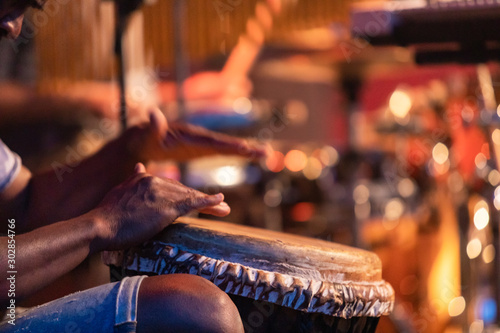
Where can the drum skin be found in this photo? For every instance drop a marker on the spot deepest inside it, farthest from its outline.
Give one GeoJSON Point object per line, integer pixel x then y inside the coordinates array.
{"type": "Point", "coordinates": [312, 285]}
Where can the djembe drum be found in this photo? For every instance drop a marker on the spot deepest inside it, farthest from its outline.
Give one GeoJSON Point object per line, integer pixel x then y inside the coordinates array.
{"type": "Point", "coordinates": [279, 282]}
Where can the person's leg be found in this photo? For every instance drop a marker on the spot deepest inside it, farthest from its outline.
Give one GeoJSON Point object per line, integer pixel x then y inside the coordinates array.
{"type": "Point", "coordinates": [92, 310]}
{"type": "Point", "coordinates": [167, 303]}
{"type": "Point", "coordinates": [185, 303]}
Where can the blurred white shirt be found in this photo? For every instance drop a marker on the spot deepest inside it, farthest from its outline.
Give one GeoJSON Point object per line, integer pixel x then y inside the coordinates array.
{"type": "Point", "coordinates": [10, 165]}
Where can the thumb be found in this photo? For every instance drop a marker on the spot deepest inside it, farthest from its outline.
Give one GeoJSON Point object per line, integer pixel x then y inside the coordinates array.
{"type": "Point", "coordinates": [158, 122]}
{"type": "Point", "coordinates": [139, 168]}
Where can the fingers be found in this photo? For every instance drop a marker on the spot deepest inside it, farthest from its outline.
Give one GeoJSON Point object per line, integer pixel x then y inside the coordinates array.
{"type": "Point", "coordinates": [206, 142]}
{"type": "Point", "coordinates": [253, 149]}
{"type": "Point", "coordinates": [174, 194]}
{"type": "Point", "coordinates": [219, 210]}
{"type": "Point", "coordinates": [139, 168]}
{"type": "Point", "coordinates": [209, 204]}
{"type": "Point", "coordinates": [158, 122]}
{"type": "Point", "coordinates": [206, 201]}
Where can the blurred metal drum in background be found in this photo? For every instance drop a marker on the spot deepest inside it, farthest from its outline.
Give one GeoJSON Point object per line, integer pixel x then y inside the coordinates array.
{"type": "Point", "coordinates": [279, 282]}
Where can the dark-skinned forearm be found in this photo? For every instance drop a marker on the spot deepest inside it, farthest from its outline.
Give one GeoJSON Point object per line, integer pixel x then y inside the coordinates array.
{"type": "Point", "coordinates": [45, 254]}
{"type": "Point", "coordinates": [60, 194]}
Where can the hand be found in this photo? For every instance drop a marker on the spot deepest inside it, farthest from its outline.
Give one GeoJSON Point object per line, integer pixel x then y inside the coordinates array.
{"type": "Point", "coordinates": [182, 142]}
{"type": "Point", "coordinates": [143, 205]}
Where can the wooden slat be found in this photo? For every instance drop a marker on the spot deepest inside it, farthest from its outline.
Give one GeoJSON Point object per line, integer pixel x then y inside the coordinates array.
{"type": "Point", "coordinates": [84, 50]}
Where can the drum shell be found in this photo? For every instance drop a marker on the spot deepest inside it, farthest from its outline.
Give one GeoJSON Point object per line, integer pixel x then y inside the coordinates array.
{"type": "Point", "coordinates": [265, 317]}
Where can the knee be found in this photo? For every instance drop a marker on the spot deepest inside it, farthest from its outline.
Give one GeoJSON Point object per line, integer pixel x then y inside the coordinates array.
{"type": "Point", "coordinates": [219, 312]}
{"type": "Point", "coordinates": [185, 303]}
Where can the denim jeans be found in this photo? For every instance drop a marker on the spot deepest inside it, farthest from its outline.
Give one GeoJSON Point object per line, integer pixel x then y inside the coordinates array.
{"type": "Point", "coordinates": [110, 308]}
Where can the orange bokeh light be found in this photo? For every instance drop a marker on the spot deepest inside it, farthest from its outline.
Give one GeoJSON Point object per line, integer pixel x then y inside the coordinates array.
{"type": "Point", "coordinates": [275, 161]}
{"type": "Point", "coordinates": [303, 211]}
{"type": "Point", "coordinates": [295, 160]}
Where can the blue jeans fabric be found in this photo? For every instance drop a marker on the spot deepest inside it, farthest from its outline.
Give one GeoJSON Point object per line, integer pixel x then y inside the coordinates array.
{"type": "Point", "coordinates": [110, 308]}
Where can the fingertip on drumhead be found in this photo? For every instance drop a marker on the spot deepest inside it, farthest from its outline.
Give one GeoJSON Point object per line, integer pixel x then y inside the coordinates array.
{"type": "Point", "coordinates": [220, 210]}
{"type": "Point", "coordinates": [223, 209]}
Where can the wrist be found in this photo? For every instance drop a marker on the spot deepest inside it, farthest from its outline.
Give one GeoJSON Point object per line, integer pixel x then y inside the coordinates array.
{"type": "Point", "coordinates": [99, 231]}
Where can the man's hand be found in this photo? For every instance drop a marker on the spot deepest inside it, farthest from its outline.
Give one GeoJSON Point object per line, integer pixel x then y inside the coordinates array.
{"type": "Point", "coordinates": [159, 141]}
{"type": "Point", "coordinates": [143, 205]}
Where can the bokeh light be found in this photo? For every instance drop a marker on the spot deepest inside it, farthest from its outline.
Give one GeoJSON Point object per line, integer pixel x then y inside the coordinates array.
{"type": "Point", "coordinates": [495, 136]}
{"type": "Point", "coordinates": [361, 194]}
{"type": "Point", "coordinates": [477, 326]}
{"type": "Point", "coordinates": [406, 187]}
{"type": "Point", "coordinates": [273, 198]}
{"type": "Point", "coordinates": [494, 177]}
{"type": "Point", "coordinates": [302, 211]}
{"type": "Point", "coordinates": [275, 161]}
{"type": "Point", "coordinates": [440, 153]}
{"type": "Point", "coordinates": [242, 105]}
{"type": "Point", "coordinates": [328, 155]}
{"type": "Point", "coordinates": [394, 209]}
{"type": "Point", "coordinates": [295, 160]}
{"type": "Point", "coordinates": [496, 199]}
{"type": "Point", "coordinates": [474, 248]}
{"type": "Point", "coordinates": [400, 105]}
{"type": "Point", "coordinates": [480, 161]}
{"type": "Point", "coordinates": [456, 306]}
{"type": "Point", "coordinates": [313, 168]}
{"type": "Point", "coordinates": [488, 254]}
{"type": "Point", "coordinates": [481, 215]}
{"type": "Point", "coordinates": [487, 310]}
{"type": "Point", "coordinates": [229, 176]}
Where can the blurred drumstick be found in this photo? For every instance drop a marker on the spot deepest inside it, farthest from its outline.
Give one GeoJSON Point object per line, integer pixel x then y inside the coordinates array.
{"type": "Point", "coordinates": [243, 56]}
{"type": "Point", "coordinates": [486, 88]}
{"type": "Point", "coordinates": [490, 105]}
